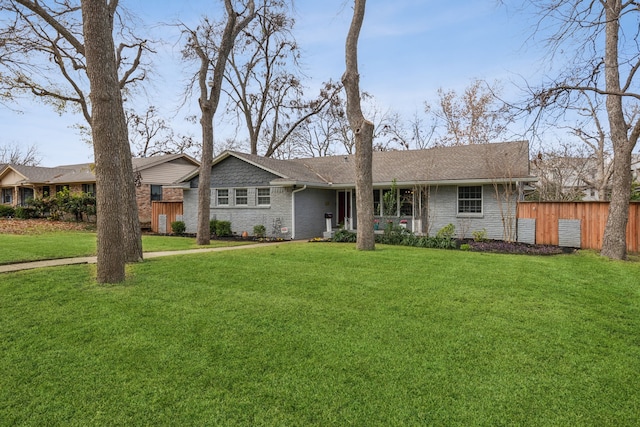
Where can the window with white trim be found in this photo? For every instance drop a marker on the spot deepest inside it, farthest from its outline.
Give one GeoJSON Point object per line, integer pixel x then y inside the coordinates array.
{"type": "Point", "coordinates": [470, 199]}
{"type": "Point", "coordinates": [264, 196]}
{"type": "Point", "coordinates": [222, 197]}
{"type": "Point", "coordinates": [242, 197]}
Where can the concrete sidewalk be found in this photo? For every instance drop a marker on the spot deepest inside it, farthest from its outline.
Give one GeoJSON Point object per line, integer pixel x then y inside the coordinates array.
{"type": "Point", "coordinates": [8, 268]}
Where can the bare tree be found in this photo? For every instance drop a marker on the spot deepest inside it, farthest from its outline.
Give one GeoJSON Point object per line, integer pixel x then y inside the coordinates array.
{"type": "Point", "coordinates": [329, 132]}
{"type": "Point", "coordinates": [212, 58]}
{"type": "Point", "coordinates": [151, 135]}
{"type": "Point", "coordinates": [602, 35]}
{"type": "Point", "coordinates": [14, 154]}
{"type": "Point", "coordinates": [362, 131]}
{"type": "Point", "coordinates": [44, 54]}
{"type": "Point", "coordinates": [592, 131]}
{"type": "Point", "coordinates": [560, 175]}
{"type": "Point", "coordinates": [476, 116]}
{"type": "Point", "coordinates": [265, 87]}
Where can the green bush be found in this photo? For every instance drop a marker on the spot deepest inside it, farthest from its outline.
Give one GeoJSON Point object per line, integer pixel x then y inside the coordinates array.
{"type": "Point", "coordinates": [64, 202]}
{"type": "Point", "coordinates": [6, 211]}
{"type": "Point", "coordinates": [25, 212]}
{"type": "Point", "coordinates": [447, 232]}
{"type": "Point", "coordinates": [345, 236]}
{"type": "Point", "coordinates": [259, 231]}
{"type": "Point", "coordinates": [480, 235]}
{"type": "Point", "coordinates": [220, 228]}
{"type": "Point", "coordinates": [396, 235]}
{"type": "Point", "coordinates": [178, 227]}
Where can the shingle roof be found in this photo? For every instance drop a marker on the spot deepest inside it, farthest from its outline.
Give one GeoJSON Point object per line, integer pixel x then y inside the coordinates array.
{"type": "Point", "coordinates": [508, 161]}
{"type": "Point", "coordinates": [84, 172]}
{"type": "Point", "coordinates": [37, 174]}
{"type": "Point", "coordinates": [140, 163]}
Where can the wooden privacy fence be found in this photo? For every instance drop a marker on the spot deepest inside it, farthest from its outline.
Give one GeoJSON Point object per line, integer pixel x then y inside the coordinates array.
{"type": "Point", "coordinates": [171, 212]}
{"type": "Point", "coordinates": [592, 217]}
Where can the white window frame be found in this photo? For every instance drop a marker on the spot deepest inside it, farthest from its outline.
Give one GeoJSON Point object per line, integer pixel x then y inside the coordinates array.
{"type": "Point", "coordinates": [241, 200]}
{"type": "Point", "coordinates": [262, 196]}
{"type": "Point", "coordinates": [461, 211]}
{"type": "Point", "coordinates": [220, 196]}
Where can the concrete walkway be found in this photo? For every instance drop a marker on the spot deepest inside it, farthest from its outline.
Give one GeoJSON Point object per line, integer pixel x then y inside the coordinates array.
{"type": "Point", "coordinates": [8, 268]}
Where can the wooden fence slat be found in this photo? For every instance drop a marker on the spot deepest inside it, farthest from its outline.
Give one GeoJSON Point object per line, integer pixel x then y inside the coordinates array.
{"type": "Point", "coordinates": [170, 209]}
{"type": "Point", "coordinates": [592, 215]}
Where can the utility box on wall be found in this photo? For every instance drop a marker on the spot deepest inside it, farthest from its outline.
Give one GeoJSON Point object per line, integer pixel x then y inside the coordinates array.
{"type": "Point", "coordinates": [569, 232]}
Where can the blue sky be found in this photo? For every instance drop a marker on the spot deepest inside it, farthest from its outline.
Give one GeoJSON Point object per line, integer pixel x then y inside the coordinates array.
{"type": "Point", "coordinates": [408, 49]}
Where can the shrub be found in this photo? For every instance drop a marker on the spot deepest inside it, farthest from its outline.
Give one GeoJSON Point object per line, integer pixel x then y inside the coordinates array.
{"type": "Point", "coordinates": [25, 212]}
{"type": "Point", "coordinates": [64, 202]}
{"type": "Point", "coordinates": [465, 247]}
{"type": "Point", "coordinates": [345, 236]}
{"type": "Point", "coordinates": [6, 211]}
{"type": "Point", "coordinates": [480, 235]}
{"type": "Point", "coordinates": [447, 232]}
{"type": "Point", "coordinates": [178, 227]}
{"type": "Point", "coordinates": [395, 235]}
{"type": "Point", "coordinates": [259, 231]}
{"type": "Point", "coordinates": [220, 228]}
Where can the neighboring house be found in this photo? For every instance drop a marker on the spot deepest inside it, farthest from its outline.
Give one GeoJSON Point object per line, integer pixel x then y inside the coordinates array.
{"type": "Point", "coordinates": [563, 178]}
{"type": "Point", "coordinates": [474, 187]}
{"type": "Point", "coordinates": [19, 184]}
{"type": "Point", "coordinates": [154, 177]}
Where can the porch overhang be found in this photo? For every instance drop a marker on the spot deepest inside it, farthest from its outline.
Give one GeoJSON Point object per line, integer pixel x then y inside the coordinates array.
{"type": "Point", "coordinates": [345, 186]}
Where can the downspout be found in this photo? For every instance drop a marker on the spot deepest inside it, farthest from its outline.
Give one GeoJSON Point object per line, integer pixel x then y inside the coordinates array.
{"type": "Point", "coordinates": [293, 210]}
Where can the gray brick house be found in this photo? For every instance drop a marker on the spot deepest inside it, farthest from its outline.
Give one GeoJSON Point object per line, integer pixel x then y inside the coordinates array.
{"type": "Point", "coordinates": [473, 187]}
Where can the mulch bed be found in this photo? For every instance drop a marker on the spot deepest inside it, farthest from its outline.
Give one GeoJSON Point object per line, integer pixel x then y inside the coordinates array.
{"type": "Point", "coordinates": [498, 246]}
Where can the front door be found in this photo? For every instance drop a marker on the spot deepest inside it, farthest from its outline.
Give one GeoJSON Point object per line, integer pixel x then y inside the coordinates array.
{"type": "Point", "coordinates": [344, 209]}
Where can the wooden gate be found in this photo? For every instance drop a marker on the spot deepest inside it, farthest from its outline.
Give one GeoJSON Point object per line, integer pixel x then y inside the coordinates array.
{"type": "Point", "coordinates": [593, 219]}
{"type": "Point", "coordinates": [170, 209]}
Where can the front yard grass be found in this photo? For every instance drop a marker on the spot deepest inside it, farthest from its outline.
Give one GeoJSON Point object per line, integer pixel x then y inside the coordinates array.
{"type": "Point", "coordinates": [68, 244]}
{"type": "Point", "coordinates": [320, 334]}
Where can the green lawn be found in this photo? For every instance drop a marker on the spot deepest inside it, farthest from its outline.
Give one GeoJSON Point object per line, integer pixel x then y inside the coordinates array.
{"type": "Point", "coordinates": [67, 244]}
{"type": "Point", "coordinates": [320, 334]}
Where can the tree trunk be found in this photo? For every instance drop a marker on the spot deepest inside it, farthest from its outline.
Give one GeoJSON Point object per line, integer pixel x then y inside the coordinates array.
{"type": "Point", "coordinates": [108, 128]}
{"type": "Point", "coordinates": [614, 244]}
{"type": "Point", "coordinates": [363, 132]}
{"type": "Point", "coordinates": [204, 183]}
{"type": "Point", "coordinates": [130, 221]}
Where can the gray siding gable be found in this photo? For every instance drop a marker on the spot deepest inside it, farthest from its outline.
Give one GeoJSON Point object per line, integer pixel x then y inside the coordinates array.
{"type": "Point", "coordinates": [233, 172]}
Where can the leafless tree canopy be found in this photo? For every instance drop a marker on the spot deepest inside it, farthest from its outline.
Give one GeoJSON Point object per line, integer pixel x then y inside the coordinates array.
{"type": "Point", "coordinates": [476, 116]}
{"type": "Point", "coordinates": [265, 85]}
{"type": "Point", "coordinates": [43, 54]}
{"type": "Point", "coordinates": [151, 135]}
{"type": "Point", "coordinates": [15, 154]}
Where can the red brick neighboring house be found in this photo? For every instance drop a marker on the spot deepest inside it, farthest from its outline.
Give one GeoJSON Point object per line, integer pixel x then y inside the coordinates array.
{"type": "Point", "coordinates": [154, 177]}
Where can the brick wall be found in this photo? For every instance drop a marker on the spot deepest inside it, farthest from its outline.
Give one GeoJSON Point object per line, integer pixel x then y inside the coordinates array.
{"type": "Point", "coordinates": [143, 199]}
